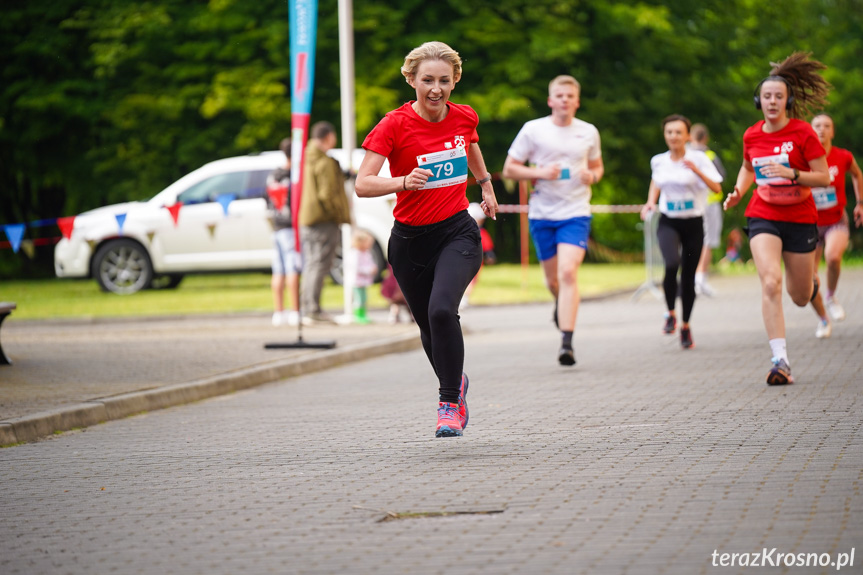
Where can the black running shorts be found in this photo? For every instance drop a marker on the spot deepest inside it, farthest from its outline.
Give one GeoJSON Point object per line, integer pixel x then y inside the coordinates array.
{"type": "Point", "coordinates": [796, 238]}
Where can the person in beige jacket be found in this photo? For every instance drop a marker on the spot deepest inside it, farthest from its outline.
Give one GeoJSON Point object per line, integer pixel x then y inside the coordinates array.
{"type": "Point", "coordinates": [323, 207]}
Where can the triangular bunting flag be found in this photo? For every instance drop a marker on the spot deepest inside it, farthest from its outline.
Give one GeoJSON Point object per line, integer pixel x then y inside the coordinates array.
{"type": "Point", "coordinates": [121, 219]}
{"type": "Point", "coordinates": [14, 232]}
{"type": "Point", "coordinates": [175, 212]}
{"type": "Point", "coordinates": [225, 200]}
{"type": "Point", "coordinates": [66, 224]}
{"type": "Point", "coordinates": [29, 248]}
{"type": "Point", "coordinates": [212, 228]}
{"type": "Point", "coordinates": [278, 195]}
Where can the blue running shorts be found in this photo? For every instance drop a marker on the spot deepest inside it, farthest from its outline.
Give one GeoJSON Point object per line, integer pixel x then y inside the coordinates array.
{"type": "Point", "coordinates": [548, 233]}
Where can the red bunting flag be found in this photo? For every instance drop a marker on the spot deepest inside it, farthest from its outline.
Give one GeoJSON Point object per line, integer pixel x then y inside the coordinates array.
{"type": "Point", "coordinates": [279, 195]}
{"type": "Point", "coordinates": [175, 212]}
{"type": "Point", "coordinates": [66, 224]}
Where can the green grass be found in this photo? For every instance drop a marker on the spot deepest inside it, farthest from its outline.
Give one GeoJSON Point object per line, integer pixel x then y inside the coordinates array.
{"type": "Point", "coordinates": [238, 293]}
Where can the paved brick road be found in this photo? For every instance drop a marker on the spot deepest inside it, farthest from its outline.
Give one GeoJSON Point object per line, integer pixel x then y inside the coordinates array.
{"type": "Point", "coordinates": [644, 458]}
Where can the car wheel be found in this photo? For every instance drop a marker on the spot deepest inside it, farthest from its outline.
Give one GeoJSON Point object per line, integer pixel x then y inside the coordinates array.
{"type": "Point", "coordinates": [122, 266]}
{"type": "Point", "coordinates": [166, 281]}
{"type": "Point", "coordinates": [337, 269]}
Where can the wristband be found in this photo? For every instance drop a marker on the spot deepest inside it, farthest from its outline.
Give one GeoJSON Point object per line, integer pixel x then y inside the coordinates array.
{"type": "Point", "coordinates": [796, 175]}
{"type": "Point", "coordinates": [484, 180]}
{"type": "Point", "coordinates": [405, 183]}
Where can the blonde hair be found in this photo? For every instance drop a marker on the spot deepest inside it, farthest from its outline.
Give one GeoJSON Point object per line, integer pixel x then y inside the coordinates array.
{"type": "Point", "coordinates": [564, 80]}
{"type": "Point", "coordinates": [431, 51]}
{"type": "Point", "coordinates": [801, 76]}
{"type": "Point", "coordinates": [362, 240]}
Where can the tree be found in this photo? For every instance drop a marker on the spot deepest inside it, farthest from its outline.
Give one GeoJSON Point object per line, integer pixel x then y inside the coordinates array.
{"type": "Point", "coordinates": [104, 101]}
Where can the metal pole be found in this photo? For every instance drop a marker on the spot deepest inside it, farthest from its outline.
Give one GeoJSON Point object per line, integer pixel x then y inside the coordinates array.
{"type": "Point", "coordinates": [525, 239]}
{"type": "Point", "coordinates": [349, 141]}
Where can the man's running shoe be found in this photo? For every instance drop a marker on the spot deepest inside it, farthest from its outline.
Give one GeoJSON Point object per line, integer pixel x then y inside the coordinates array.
{"type": "Point", "coordinates": [824, 329]}
{"type": "Point", "coordinates": [463, 413]}
{"type": "Point", "coordinates": [566, 356]}
{"type": "Point", "coordinates": [448, 424]}
{"type": "Point", "coordinates": [835, 309]}
{"type": "Point", "coordinates": [670, 324]}
{"type": "Point", "coordinates": [780, 373]}
{"type": "Point", "coordinates": [686, 338]}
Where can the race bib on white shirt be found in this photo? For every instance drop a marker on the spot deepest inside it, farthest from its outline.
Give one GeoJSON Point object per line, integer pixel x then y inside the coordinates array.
{"type": "Point", "coordinates": [448, 167]}
{"type": "Point", "coordinates": [683, 194]}
{"type": "Point", "coordinates": [825, 198]}
{"type": "Point", "coordinates": [762, 180]}
{"type": "Point", "coordinates": [681, 205]}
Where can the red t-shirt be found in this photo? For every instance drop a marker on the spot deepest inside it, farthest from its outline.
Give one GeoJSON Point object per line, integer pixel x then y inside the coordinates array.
{"type": "Point", "coordinates": [800, 142]}
{"type": "Point", "coordinates": [831, 201]}
{"type": "Point", "coordinates": [401, 136]}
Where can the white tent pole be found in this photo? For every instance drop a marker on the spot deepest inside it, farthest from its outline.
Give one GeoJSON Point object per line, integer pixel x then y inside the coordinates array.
{"type": "Point", "coordinates": [349, 140]}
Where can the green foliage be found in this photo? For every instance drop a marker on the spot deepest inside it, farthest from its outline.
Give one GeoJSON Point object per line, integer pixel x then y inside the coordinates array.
{"type": "Point", "coordinates": [104, 101]}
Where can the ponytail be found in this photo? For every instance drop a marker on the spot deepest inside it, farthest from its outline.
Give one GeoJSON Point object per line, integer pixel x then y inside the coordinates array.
{"type": "Point", "coordinates": [806, 85]}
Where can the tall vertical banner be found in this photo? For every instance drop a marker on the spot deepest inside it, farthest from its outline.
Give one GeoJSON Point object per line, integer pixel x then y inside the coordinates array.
{"type": "Point", "coordinates": [303, 21]}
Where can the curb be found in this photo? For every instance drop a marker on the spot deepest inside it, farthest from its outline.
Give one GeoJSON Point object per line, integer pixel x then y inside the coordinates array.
{"type": "Point", "coordinates": [33, 427]}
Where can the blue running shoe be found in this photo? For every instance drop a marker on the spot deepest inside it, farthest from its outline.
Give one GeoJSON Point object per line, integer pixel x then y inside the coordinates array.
{"type": "Point", "coordinates": [463, 414]}
{"type": "Point", "coordinates": [448, 424]}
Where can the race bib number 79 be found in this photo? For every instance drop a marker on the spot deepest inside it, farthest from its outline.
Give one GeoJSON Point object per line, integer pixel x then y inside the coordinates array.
{"type": "Point", "coordinates": [448, 167]}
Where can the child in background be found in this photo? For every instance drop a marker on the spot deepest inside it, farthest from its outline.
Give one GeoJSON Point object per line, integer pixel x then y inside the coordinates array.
{"type": "Point", "coordinates": [366, 270]}
{"type": "Point", "coordinates": [392, 293]}
{"type": "Point", "coordinates": [488, 256]}
{"type": "Point", "coordinates": [733, 246]}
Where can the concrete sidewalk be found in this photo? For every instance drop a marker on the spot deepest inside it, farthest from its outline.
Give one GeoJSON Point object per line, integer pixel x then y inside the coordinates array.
{"type": "Point", "coordinates": [69, 374]}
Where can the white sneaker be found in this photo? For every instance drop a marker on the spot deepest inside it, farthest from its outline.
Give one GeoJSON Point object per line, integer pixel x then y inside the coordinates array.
{"type": "Point", "coordinates": [287, 317]}
{"type": "Point", "coordinates": [704, 288]}
{"type": "Point", "coordinates": [835, 309]}
{"type": "Point", "coordinates": [824, 329]}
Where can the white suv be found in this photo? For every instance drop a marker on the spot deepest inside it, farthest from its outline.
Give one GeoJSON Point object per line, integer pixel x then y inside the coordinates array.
{"type": "Point", "coordinates": [222, 225]}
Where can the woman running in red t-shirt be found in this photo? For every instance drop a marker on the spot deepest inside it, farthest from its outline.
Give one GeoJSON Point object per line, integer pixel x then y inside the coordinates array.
{"type": "Point", "coordinates": [434, 247]}
{"type": "Point", "coordinates": [783, 156]}
{"type": "Point", "coordinates": [833, 226]}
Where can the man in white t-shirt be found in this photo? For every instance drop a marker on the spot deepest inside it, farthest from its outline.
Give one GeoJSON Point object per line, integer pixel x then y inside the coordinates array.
{"type": "Point", "coordinates": [565, 159]}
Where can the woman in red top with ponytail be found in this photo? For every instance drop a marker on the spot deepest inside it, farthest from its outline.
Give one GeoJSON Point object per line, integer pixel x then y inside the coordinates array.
{"type": "Point", "coordinates": [784, 158]}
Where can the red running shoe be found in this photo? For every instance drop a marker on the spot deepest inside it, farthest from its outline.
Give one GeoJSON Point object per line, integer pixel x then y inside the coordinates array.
{"type": "Point", "coordinates": [463, 414]}
{"type": "Point", "coordinates": [670, 324]}
{"type": "Point", "coordinates": [686, 338]}
{"type": "Point", "coordinates": [448, 421]}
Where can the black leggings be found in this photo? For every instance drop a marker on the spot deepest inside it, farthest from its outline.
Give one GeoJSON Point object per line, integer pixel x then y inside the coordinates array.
{"type": "Point", "coordinates": [433, 265]}
{"type": "Point", "coordinates": [674, 234]}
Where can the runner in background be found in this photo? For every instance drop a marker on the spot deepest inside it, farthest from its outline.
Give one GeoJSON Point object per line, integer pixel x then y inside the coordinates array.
{"type": "Point", "coordinates": [833, 226]}
{"type": "Point", "coordinates": [712, 214]}
{"type": "Point", "coordinates": [680, 182]}
{"type": "Point", "coordinates": [488, 255]}
{"type": "Point", "coordinates": [783, 156]}
{"type": "Point", "coordinates": [435, 247]}
{"type": "Point", "coordinates": [566, 160]}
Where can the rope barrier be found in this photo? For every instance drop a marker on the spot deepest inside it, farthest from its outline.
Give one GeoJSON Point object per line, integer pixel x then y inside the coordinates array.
{"type": "Point", "coordinates": [596, 209]}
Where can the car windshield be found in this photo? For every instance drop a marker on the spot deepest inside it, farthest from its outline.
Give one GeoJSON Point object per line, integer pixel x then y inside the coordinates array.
{"type": "Point", "coordinates": [211, 188]}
